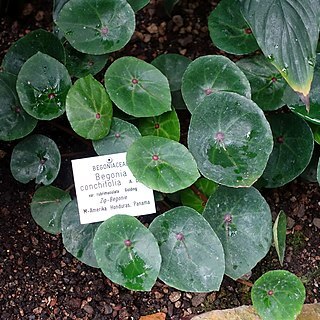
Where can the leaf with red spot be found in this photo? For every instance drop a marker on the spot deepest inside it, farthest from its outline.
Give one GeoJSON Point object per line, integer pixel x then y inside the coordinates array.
{"type": "Point", "coordinates": [89, 108]}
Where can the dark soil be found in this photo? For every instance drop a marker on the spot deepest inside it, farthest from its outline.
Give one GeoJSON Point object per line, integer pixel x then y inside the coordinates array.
{"type": "Point", "coordinates": [40, 280]}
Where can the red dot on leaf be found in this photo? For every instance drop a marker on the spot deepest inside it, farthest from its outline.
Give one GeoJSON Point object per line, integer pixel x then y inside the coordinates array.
{"type": "Point", "coordinates": [135, 81]}
{"type": "Point", "coordinates": [280, 139]}
{"type": "Point", "coordinates": [157, 126]}
{"type": "Point", "coordinates": [180, 236]}
{"type": "Point", "coordinates": [104, 31]}
{"type": "Point", "coordinates": [270, 292]}
{"type": "Point", "coordinates": [208, 91]}
{"type": "Point", "coordinates": [117, 135]}
{"type": "Point", "coordinates": [247, 31]}
{"type": "Point", "coordinates": [155, 157]}
{"type": "Point", "coordinates": [51, 96]}
{"type": "Point", "coordinates": [98, 115]}
{"type": "Point", "coordinates": [127, 243]}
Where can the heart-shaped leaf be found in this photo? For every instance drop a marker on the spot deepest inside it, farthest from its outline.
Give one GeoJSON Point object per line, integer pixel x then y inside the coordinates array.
{"type": "Point", "coordinates": [42, 85]}
{"type": "Point", "coordinates": [278, 295]}
{"type": "Point", "coordinates": [137, 87]}
{"type": "Point", "coordinates": [287, 32]}
{"type": "Point", "coordinates": [197, 195]}
{"type": "Point", "coordinates": [138, 4]}
{"type": "Point", "coordinates": [81, 64]}
{"type": "Point", "coordinates": [36, 157]}
{"type": "Point", "coordinates": [229, 31]}
{"type": "Point", "coordinates": [89, 108]}
{"type": "Point", "coordinates": [32, 43]}
{"type": "Point", "coordinates": [78, 238]}
{"type": "Point", "coordinates": [192, 254]}
{"type": "Point", "coordinates": [210, 74]}
{"type": "Point", "coordinates": [99, 27]}
{"type": "Point", "coordinates": [241, 218]}
{"type": "Point", "coordinates": [127, 252]}
{"type": "Point", "coordinates": [166, 125]}
{"type": "Point", "coordinates": [292, 150]}
{"type": "Point", "coordinates": [279, 235]}
{"type": "Point", "coordinates": [162, 164]}
{"type": "Point", "coordinates": [15, 123]}
{"type": "Point", "coordinates": [122, 134]}
{"type": "Point", "coordinates": [230, 139]}
{"type": "Point", "coordinates": [47, 206]}
{"type": "Point", "coordinates": [267, 84]}
{"type": "Point", "coordinates": [298, 107]}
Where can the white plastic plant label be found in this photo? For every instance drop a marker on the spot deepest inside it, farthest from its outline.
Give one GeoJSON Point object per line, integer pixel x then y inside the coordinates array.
{"type": "Point", "coordinates": [105, 186]}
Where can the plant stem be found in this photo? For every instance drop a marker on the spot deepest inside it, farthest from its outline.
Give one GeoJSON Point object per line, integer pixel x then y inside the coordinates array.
{"type": "Point", "coordinates": [198, 193]}
{"type": "Point", "coordinates": [245, 282]}
{"type": "Point", "coordinates": [69, 188]}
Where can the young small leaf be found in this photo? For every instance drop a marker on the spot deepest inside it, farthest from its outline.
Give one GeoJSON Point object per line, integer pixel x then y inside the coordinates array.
{"type": "Point", "coordinates": [279, 235]}
{"type": "Point", "coordinates": [241, 218]}
{"type": "Point", "coordinates": [78, 238]}
{"type": "Point", "coordinates": [137, 87]}
{"type": "Point", "coordinates": [89, 108]}
{"type": "Point", "coordinates": [97, 28]}
{"type": "Point", "coordinates": [162, 164]}
{"type": "Point", "coordinates": [192, 255]}
{"type": "Point", "coordinates": [36, 157]}
{"type": "Point", "coordinates": [47, 206]}
{"type": "Point", "coordinates": [138, 4]}
{"type": "Point", "coordinates": [211, 74]}
{"type": "Point", "coordinates": [278, 295]}
{"type": "Point", "coordinates": [42, 85]}
{"type": "Point", "coordinates": [121, 136]}
{"type": "Point", "coordinates": [229, 31]}
{"type": "Point", "coordinates": [127, 252]}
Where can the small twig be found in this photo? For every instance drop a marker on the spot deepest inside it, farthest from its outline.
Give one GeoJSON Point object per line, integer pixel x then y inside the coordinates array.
{"type": "Point", "coordinates": [245, 282]}
{"type": "Point", "coordinates": [69, 188]}
{"type": "Point", "coordinates": [198, 193]}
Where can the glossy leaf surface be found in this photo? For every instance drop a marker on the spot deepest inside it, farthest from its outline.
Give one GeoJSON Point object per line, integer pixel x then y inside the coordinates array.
{"type": "Point", "coordinates": [287, 32]}
{"type": "Point", "coordinates": [127, 252]}
{"type": "Point", "coordinates": [166, 125]}
{"type": "Point", "coordinates": [195, 197]}
{"type": "Point", "coordinates": [78, 238]}
{"type": "Point", "coordinates": [192, 254]}
{"type": "Point", "coordinates": [42, 85]}
{"type": "Point", "coordinates": [229, 31]}
{"type": "Point", "coordinates": [162, 164]}
{"type": "Point", "coordinates": [122, 134]}
{"type": "Point", "coordinates": [241, 218]}
{"type": "Point", "coordinates": [279, 235]}
{"type": "Point", "coordinates": [278, 295]}
{"type": "Point", "coordinates": [93, 27]}
{"type": "Point", "coordinates": [81, 64]}
{"type": "Point", "coordinates": [47, 206]}
{"type": "Point", "coordinates": [15, 123]}
{"type": "Point", "coordinates": [292, 151]}
{"type": "Point", "coordinates": [230, 139]}
{"type": "Point", "coordinates": [267, 84]}
{"type": "Point", "coordinates": [211, 74]}
{"type": "Point", "coordinates": [89, 108]}
{"type": "Point", "coordinates": [137, 87]}
{"type": "Point", "coordinates": [138, 4]}
{"type": "Point", "coordinates": [36, 157]}
{"type": "Point", "coordinates": [32, 43]}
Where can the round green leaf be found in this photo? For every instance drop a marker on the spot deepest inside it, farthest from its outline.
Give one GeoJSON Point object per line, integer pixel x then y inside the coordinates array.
{"type": "Point", "coordinates": [191, 198]}
{"type": "Point", "coordinates": [137, 87]}
{"type": "Point", "coordinates": [122, 134]}
{"type": "Point", "coordinates": [210, 74]}
{"type": "Point", "coordinates": [267, 84]}
{"type": "Point", "coordinates": [166, 125]}
{"type": "Point", "coordinates": [298, 107]}
{"type": "Point", "coordinates": [97, 27]}
{"type": "Point", "coordinates": [32, 43]}
{"type": "Point", "coordinates": [173, 66]}
{"type": "Point", "coordinates": [278, 295]}
{"type": "Point", "coordinates": [81, 64]}
{"type": "Point", "coordinates": [78, 238]}
{"type": "Point", "coordinates": [89, 108]}
{"type": "Point", "coordinates": [47, 206]}
{"type": "Point", "coordinates": [162, 164]}
{"type": "Point", "coordinates": [138, 4]}
{"type": "Point", "coordinates": [279, 235]}
{"type": "Point", "coordinates": [292, 150]}
{"type": "Point", "coordinates": [15, 123]}
{"type": "Point", "coordinates": [127, 252]}
{"type": "Point", "coordinates": [42, 86]}
{"type": "Point", "coordinates": [36, 157]}
{"type": "Point", "coordinates": [229, 31]}
{"type": "Point", "coordinates": [230, 139]}
{"type": "Point", "coordinates": [241, 218]}
{"type": "Point", "coordinates": [192, 254]}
